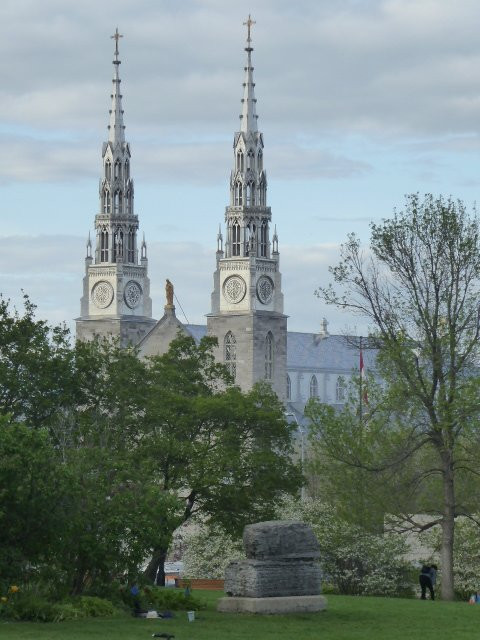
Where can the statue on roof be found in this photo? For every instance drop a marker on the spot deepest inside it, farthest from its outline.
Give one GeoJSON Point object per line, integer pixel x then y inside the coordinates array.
{"type": "Point", "coordinates": [169, 293]}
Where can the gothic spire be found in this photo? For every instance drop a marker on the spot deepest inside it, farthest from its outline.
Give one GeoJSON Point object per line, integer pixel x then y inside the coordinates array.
{"type": "Point", "coordinates": [116, 127]}
{"type": "Point", "coordinates": [248, 117]}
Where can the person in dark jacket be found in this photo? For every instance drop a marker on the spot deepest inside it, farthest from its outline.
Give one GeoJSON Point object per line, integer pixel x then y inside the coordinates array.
{"type": "Point", "coordinates": [425, 580]}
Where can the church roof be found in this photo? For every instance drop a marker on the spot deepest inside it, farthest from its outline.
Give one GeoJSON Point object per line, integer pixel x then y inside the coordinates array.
{"type": "Point", "coordinates": [308, 351]}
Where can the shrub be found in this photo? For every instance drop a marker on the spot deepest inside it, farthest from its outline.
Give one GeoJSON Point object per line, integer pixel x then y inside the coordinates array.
{"type": "Point", "coordinates": [466, 556]}
{"type": "Point", "coordinates": [162, 599]}
{"type": "Point", "coordinates": [93, 607]}
{"type": "Point", "coordinates": [208, 551]}
{"type": "Point", "coordinates": [31, 605]}
{"type": "Point", "coordinates": [354, 561]}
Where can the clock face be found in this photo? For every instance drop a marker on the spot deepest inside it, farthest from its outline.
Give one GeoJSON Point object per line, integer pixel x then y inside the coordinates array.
{"type": "Point", "coordinates": [132, 294]}
{"type": "Point", "coordinates": [265, 289]}
{"type": "Point", "coordinates": [234, 289]}
{"type": "Point", "coordinates": [102, 294]}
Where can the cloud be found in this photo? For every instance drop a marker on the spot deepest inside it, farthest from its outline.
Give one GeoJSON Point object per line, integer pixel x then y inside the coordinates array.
{"type": "Point", "coordinates": [385, 67]}
{"type": "Point", "coordinates": [32, 159]}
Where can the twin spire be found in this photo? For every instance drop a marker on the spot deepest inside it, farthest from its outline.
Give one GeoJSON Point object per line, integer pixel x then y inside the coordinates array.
{"type": "Point", "coordinates": [116, 127]}
{"type": "Point", "coordinates": [248, 117]}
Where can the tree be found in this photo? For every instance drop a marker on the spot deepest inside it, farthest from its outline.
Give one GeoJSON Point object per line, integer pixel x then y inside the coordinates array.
{"type": "Point", "coordinates": [223, 454]}
{"type": "Point", "coordinates": [34, 365]}
{"type": "Point", "coordinates": [114, 507]}
{"type": "Point", "coordinates": [32, 489]}
{"type": "Point", "coordinates": [419, 289]}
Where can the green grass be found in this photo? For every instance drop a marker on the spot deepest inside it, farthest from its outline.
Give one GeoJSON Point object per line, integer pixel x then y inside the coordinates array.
{"type": "Point", "coordinates": [346, 618]}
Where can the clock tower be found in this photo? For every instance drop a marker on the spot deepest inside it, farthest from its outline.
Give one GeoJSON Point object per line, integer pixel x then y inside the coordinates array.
{"type": "Point", "coordinates": [247, 301]}
{"type": "Point", "coordinates": [116, 289]}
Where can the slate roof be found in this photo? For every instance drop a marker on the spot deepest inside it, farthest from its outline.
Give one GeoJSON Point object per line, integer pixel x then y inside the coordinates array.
{"type": "Point", "coordinates": [307, 351]}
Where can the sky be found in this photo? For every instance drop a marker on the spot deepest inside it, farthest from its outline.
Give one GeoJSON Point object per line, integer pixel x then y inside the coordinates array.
{"type": "Point", "coordinates": [360, 102]}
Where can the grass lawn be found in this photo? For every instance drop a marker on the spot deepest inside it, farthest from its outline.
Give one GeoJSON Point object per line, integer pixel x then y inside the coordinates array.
{"type": "Point", "coordinates": [346, 618]}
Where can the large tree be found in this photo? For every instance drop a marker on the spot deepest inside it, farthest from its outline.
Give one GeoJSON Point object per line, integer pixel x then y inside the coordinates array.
{"type": "Point", "coordinates": [418, 286]}
{"type": "Point", "coordinates": [225, 455]}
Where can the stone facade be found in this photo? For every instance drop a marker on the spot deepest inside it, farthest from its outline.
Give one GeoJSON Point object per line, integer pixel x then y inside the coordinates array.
{"type": "Point", "coordinates": [251, 331]}
{"type": "Point", "coordinates": [157, 341]}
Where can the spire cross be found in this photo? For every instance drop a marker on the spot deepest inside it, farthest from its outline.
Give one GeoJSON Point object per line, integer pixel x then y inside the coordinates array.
{"type": "Point", "coordinates": [116, 36]}
{"type": "Point", "coordinates": [249, 23]}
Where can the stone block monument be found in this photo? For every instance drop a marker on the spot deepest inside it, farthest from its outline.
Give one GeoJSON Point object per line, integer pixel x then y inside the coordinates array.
{"type": "Point", "coordinates": [280, 574]}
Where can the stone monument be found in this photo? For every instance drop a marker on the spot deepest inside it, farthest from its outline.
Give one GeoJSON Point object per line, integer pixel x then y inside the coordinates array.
{"type": "Point", "coordinates": [280, 574]}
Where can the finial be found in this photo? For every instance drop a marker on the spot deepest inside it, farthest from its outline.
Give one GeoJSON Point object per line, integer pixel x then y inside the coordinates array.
{"type": "Point", "coordinates": [249, 23]}
{"type": "Point", "coordinates": [116, 36]}
{"type": "Point", "coordinates": [324, 327]}
{"type": "Point", "coordinates": [89, 246]}
{"type": "Point", "coordinates": [275, 240]}
{"type": "Point", "coordinates": [219, 239]}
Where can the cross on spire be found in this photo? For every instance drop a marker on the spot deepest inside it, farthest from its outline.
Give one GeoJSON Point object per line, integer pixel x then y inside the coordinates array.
{"type": "Point", "coordinates": [116, 36]}
{"type": "Point", "coordinates": [249, 23]}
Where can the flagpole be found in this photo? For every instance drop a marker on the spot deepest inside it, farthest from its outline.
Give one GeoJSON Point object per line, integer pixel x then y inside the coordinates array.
{"type": "Point", "coordinates": [360, 416]}
{"type": "Point", "coordinates": [361, 383]}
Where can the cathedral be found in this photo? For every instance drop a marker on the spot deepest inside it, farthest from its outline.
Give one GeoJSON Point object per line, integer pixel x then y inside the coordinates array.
{"type": "Point", "coordinates": [246, 311]}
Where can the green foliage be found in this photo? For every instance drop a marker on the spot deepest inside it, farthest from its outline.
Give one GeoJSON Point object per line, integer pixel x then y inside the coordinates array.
{"type": "Point", "coordinates": [94, 607]}
{"type": "Point", "coordinates": [32, 606]}
{"type": "Point", "coordinates": [223, 453]}
{"type": "Point", "coordinates": [34, 365]}
{"type": "Point", "coordinates": [466, 564]}
{"type": "Point", "coordinates": [208, 551]}
{"type": "Point", "coordinates": [32, 492]}
{"type": "Point", "coordinates": [419, 288]}
{"type": "Point", "coordinates": [164, 599]}
{"type": "Point", "coordinates": [353, 560]}
{"type": "Point", "coordinates": [103, 455]}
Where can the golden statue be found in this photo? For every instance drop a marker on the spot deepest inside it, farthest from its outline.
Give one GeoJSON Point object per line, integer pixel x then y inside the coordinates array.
{"type": "Point", "coordinates": [169, 293]}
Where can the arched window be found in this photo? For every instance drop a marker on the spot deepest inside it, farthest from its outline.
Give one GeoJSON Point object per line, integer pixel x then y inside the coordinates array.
{"type": "Point", "coordinates": [262, 192]}
{"type": "Point", "coordinates": [341, 390]}
{"type": "Point", "coordinates": [269, 356]}
{"type": "Point", "coordinates": [104, 246]}
{"type": "Point", "coordinates": [263, 239]}
{"type": "Point", "coordinates": [230, 353]}
{"type": "Point", "coordinates": [117, 169]}
{"type": "Point", "coordinates": [116, 202]}
{"type": "Point", "coordinates": [127, 169]}
{"type": "Point", "coordinates": [108, 169]}
{"type": "Point", "coordinates": [238, 193]}
{"type": "Point", "coordinates": [260, 161]}
{"type": "Point", "coordinates": [250, 159]}
{"type": "Point", "coordinates": [235, 239]}
{"type": "Point", "coordinates": [106, 201]}
{"type": "Point", "coordinates": [240, 164]}
{"type": "Point", "coordinates": [289, 388]}
{"type": "Point", "coordinates": [131, 247]}
{"type": "Point", "coordinates": [313, 387]}
{"type": "Point", "coordinates": [250, 194]}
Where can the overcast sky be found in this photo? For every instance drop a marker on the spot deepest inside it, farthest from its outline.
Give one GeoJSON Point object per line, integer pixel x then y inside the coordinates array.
{"type": "Point", "coordinates": [360, 102]}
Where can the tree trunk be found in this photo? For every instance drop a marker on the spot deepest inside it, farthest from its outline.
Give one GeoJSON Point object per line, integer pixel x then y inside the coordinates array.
{"type": "Point", "coordinates": [448, 526]}
{"type": "Point", "coordinates": [155, 571]}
